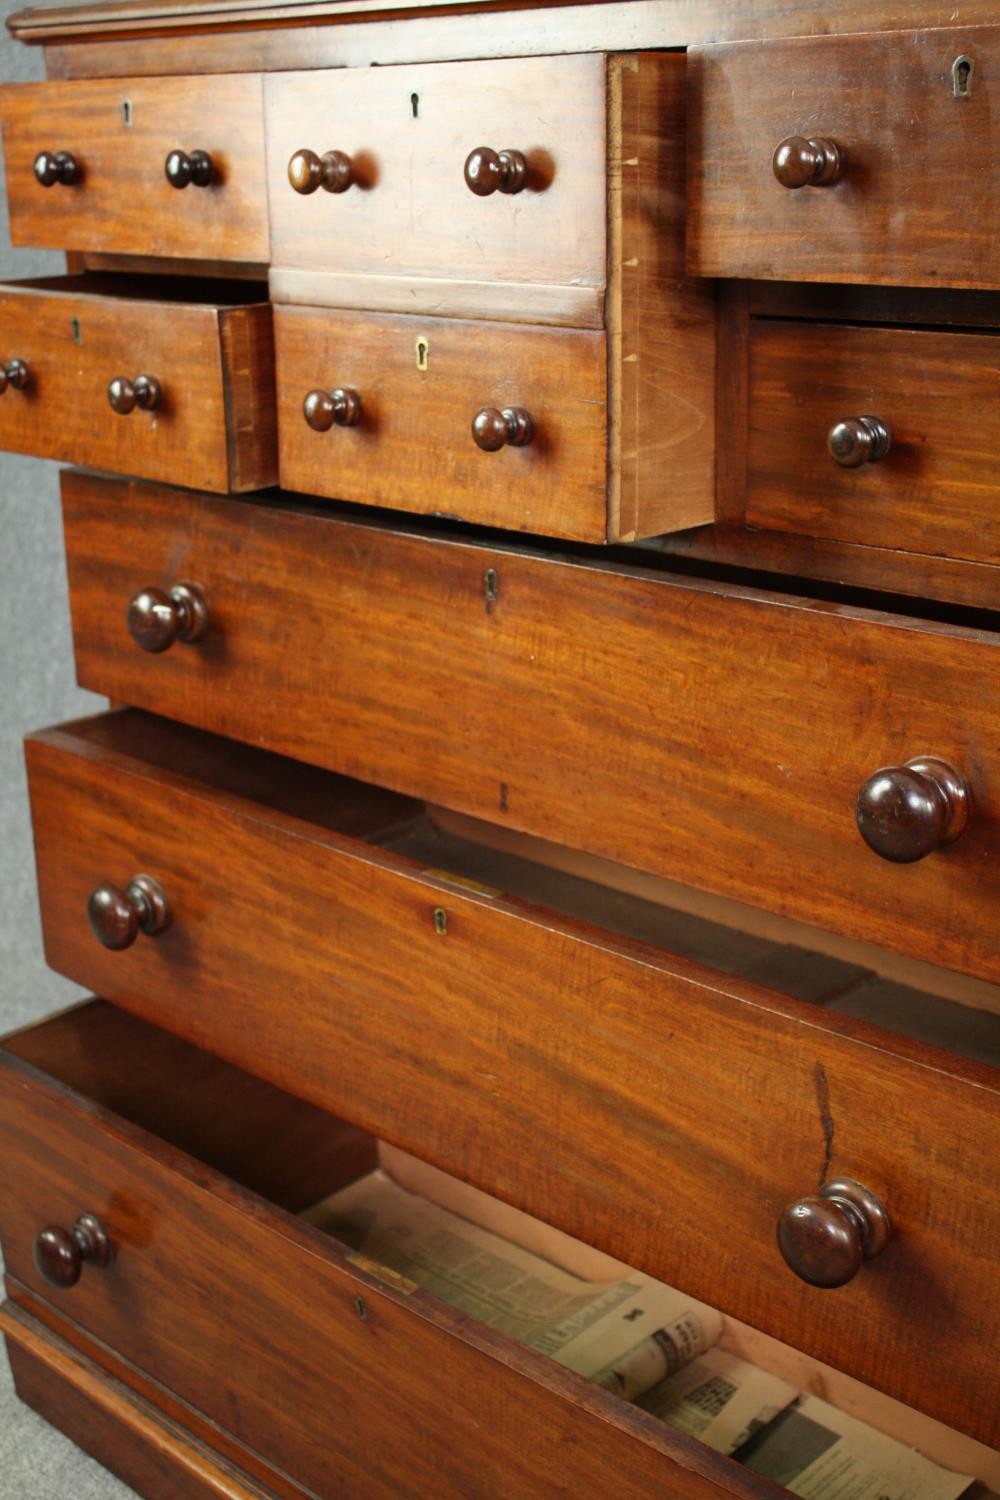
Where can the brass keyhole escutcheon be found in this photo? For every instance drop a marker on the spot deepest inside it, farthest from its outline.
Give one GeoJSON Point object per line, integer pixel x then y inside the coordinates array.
{"type": "Point", "coordinates": [423, 348]}
{"type": "Point", "coordinates": [961, 77]}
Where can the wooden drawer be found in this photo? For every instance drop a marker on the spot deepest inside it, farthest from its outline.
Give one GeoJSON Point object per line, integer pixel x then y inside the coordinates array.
{"type": "Point", "coordinates": [911, 204]}
{"type": "Point", "coordinates": [710, 733]}
{"type": "Point", "coordinates": [412, 446]}
{"type": "Point", "coordinates": [264, 1335]}
{"type": "Point", "coordinates": [120, 133]}
{"type": "Point", "coordinates": [934, 491]}
{"type": "Point", "coordinates": [213, 424]}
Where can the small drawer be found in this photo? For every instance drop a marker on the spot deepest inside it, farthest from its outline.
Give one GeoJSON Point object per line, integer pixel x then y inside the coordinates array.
{"type": "Point", "coordinates": [851, 159]}
{"type": "Point", "coordinates": [889, 437]}
{"type": "Point", "coordinates": [203, 413]}
{"type": "Point", "coordinates": [87, 166]}
{"type": "Point", "coordinates": [418, 397]}
{"type": "Point", "coordinates": [595, 705]}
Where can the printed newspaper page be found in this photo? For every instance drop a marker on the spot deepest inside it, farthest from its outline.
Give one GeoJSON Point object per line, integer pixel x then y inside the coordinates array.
{"type": "Point", "coordinates": [719, 1399]}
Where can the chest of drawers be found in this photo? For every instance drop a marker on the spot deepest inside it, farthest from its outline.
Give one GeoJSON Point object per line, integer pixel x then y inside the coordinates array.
{"type": "Point", "coordinates": [582, 773]}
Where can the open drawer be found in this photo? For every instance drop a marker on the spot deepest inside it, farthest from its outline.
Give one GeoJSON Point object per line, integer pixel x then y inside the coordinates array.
{"type": "Point", "coordinates": [295, 1361]}
{"type": "Point", "coordinates": [329, 937]}
{"type": "Point", "coordinates": [158, 376]}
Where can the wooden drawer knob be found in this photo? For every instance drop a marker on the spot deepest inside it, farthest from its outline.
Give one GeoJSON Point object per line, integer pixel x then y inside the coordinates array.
{"type": "Point", "coordinates": [15, 373]}
{"type": "Point", "coordinates": [116, 916]}
{"type": "Point", "coordinates": [125, 395]}
{"type": "Point", "coordinates": [492, 429]}
{"type": "Point", "coordinates": [325, 409]}
{"type": "Point", "coordinates": [60, 1253]}
{"type": "Point", "coordinates": [824, 1238]}
{"type": "Point", "coordinates": [906, 812]}
{"type": "Point", "coordinates": [156, 618]}
{"type": "Point", "coordinates": [333, 171]}
{"type": "Point", "coordinates": [488, 171]}
{"type": "Point", "coordinates": [56, 166]}
{"type": "Point", "coordinates": [859, 440]}
{"type": "Point", "coordinates": [182, 169]}
{"type": "Point", "coordinates": [798, 162]}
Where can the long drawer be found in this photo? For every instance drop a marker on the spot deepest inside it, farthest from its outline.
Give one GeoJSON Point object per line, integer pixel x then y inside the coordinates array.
{"type": "Point", "coordinates": [713, 734]}
{"type": "Point", "coordinates": [168, 380]}
{"type": "Point", "coordinates": [263, 1333]}
{"type": "Point", "coordinates": [117, 165]}
{"type": "Point", "coordinates": [325, 935]}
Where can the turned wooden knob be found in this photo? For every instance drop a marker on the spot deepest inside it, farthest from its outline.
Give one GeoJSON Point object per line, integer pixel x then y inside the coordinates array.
{"type": "Point", "coordinates": [333, 171]}
{"type": "Point", "coordinates": [14, 373]}
{"type": "Point", "coordinates": [824, 1238]}
{"type": "Point", "coordinates": [492, 429]}
{"type": "Point", "coordinates": [906, 812]}
{"type": "Point", "coordinates": [325, 409]}
{"type": "Point", "coordinates": [125, 395]}
{"type": "Point", "coordinates": [60, 1253]}
{"type": "Point", "coordinates": [183, 168]}
{"type": "Point", "coordinates": [798, 162]}
{"type": "Point", "coordinates": [116, 916]}
{"type": "Point", "coordinates": [56, 166]}
{"type": "Point", "coordinates": [488, 171]}
{"type": "Point", "coordinates": [156, 618]}
{"type": "Point", "coordinates": [859, 440]}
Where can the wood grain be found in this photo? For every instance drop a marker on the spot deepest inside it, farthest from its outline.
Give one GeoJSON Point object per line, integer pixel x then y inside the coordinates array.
{"type": "Point", "coordinates": [122, 167]}
{"type": "Point", "coordinates": [414, 216]}
{"type": "Point", "coordinates": [413, 448]}
{"type": "Point", "coordinates": [214, 425]}
{"type": "Point", "coordinates": [593, 705]}
{"type": "Point", "coordinates": [661, 326]}
{"type": "Point", "coordinates": [912, 151]}
{"type": "Point", "coordinates": [245, 1312]}
{"type": "Point", "coordinates": [154, 1456]}
{"type": "Point", "coordinates": [936, 489]}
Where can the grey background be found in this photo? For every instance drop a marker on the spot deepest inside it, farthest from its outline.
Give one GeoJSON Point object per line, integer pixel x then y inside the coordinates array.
{"type": "Point", "coordinates": [37, 687]}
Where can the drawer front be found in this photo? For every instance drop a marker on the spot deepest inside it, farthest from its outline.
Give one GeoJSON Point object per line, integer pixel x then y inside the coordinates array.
{"type": "Point", "coordinates": [934, 491]}
{"type": "Point", "coordinates": [412, 446]}
{"type": "Point", "coordinates": [597, 1070]}
{"type": "Point", "coordinates": [213, 422]}
{"type": "Point", "coordinates": [912, 202]}
{"type": "Point", "coordinates": [252, 1317]}
{"type": "Point", "coordinates": [120, 132]}
{"type": "Point", "coordinates": [408, 217]}
{"type": "Point", "coordinates": [713, 735]}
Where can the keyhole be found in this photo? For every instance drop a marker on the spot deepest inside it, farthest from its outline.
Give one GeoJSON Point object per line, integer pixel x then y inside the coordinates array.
{"type": "Point", "coordinates": [961, 77]}
{"type": "Point", "coordinates": [126, 112]}
{"type": "Point", "coordinates": [423, 349]}
{"type": "Point", "coordinates": [415, 104]}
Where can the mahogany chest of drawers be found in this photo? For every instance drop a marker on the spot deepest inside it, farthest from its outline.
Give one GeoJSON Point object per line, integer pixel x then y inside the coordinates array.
{"type": "Point", "coordinates": [534, 511]}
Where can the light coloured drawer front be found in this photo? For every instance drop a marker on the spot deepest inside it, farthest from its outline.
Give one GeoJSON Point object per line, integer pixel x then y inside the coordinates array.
{"type": "Point", "coordinates": [119, 134]}
{"type": "Point", "coordinates": [934, 393]}
{"type": "Point", "coordinates": [412, 390]}
{"type": "Point", "coordinates": [913, 117]}
{"type": "Point", "coordinates": [208, 421]}
{"type": "Point", "coordinates": [408, 214]}
{"type": "Point", "coordinates": [716, 735]}
{"type": "Point", "coordinates": [376, 985]}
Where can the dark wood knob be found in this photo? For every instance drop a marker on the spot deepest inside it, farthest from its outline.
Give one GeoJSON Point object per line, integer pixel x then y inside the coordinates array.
{"type": "Point", "coordinates": [333, 171]}
{"type": "Point", "coordinates": [116, 916]}
{"type": "Point", "coordinates": [798, 162]}
{"type": "Point", "coordinates": [488, 171]}
{"type": "Point", "coordinates": [125, 395]}
{"type": "Point", "coordinates": [493, 429]}
{"type": "Point", "coordinates": [859, 440]}
{"type": "Point", "coordinates": [156, 618]}
{"type": "Point", "coordinates": [824, 1238]}
{"type": "Point", "coordinates": [60, 1253]}
{"type": "Point", "coordinates": [906, 812]}
{"type": "Point", "coordinates": [325, 409]}
{"type": "Point", "coordinates": [15, 373]}
{"type": "Point", "coordinates": [183, 169]}
{"type": "Point", "coordinates": [56, 166]}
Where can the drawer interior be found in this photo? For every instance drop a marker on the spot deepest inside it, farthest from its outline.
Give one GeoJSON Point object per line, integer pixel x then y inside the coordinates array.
{"type": "Point", "coordinates": [300, 1160]}
{"type": "Point", "coordinates": [187, 291]}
